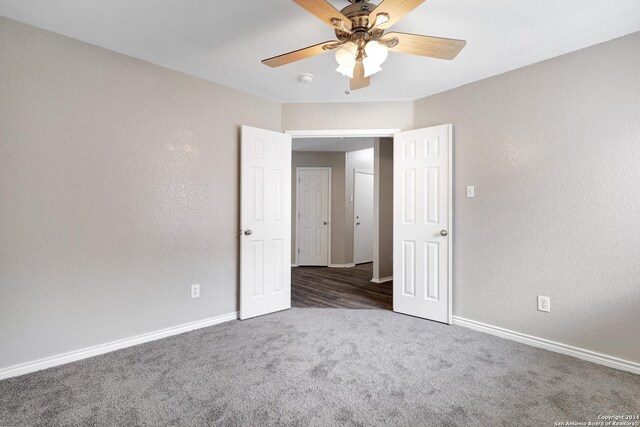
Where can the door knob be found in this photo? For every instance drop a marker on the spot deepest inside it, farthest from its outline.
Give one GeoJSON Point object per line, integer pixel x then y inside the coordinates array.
{"type": "Point", "coordinates": [444, 233]}
{"type": "Point", "coordinates": [357, 223]}
{"type": "Point", "coordinates": [248, 232]}
{"type": "Point", "coordinates": [325, 223]}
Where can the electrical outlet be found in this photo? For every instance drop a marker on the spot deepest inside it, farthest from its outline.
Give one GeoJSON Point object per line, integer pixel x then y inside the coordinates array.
{"type": "Point", "coordinates": [544, 303]}
{"type": "Point", "coordinates": [195, 291]}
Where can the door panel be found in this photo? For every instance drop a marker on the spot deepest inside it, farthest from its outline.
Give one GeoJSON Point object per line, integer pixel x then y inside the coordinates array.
{"type": "Point", "coordinates": [422, 223]}
{"type": "Point", "coordinates": [265, 200]}
{"type": "Point", "coordinates": [313, 216]}
{"type": "Point", "coordinates": [363, 217]}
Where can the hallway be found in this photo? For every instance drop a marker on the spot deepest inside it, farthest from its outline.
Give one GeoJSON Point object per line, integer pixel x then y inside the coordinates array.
{"type": "Point", "coordinates": [322, 287]}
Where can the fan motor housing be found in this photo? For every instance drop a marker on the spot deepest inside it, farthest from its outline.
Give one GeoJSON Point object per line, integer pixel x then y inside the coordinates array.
{"type": "Point", "coordinates": [358, 9]}
{"type": "Point", "coordinates": [358, 12]}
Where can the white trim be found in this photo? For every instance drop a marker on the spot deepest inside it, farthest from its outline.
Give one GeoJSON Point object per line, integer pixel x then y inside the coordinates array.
{"type": "Point", "coordinates": [342, 265]}
{"type": "Point", "coordinates": [347, 133]}
{"type": "Point", "coordinates": [382, 279]}
{"type": "Point", "coordinates": [296, 250]}
{"type": "Point", "coordinates": [297, 190]}
{"type": "Point", "coordinates": [72, 356]}
{"type": "Point", "coordinates": [294, 265]}
{"type": "Point", "coordinates": [450, 226]}
{"type": "Point", "coordinates": [376, 211]}
{"type": "Point", "coordinates": [580, 353]}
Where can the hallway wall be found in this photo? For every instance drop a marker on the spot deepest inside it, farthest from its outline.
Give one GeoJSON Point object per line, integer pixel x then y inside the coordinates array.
{"type": "Point", "coordinates": [383, 198]}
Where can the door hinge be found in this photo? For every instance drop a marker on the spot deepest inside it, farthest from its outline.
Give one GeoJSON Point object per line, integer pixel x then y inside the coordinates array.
{"type": "Point", "coordinates": [298, 250]}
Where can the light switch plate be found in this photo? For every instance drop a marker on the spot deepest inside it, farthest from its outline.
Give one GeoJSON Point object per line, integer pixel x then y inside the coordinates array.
{"type": "Point", "coordinates": [471, 191]}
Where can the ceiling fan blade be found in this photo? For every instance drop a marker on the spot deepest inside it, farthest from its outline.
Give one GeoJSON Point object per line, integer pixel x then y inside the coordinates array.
{"type": "Point", "coordinates": [299, 54]}
{"type": "Point", "coordinates": [359, 80]}
{"type": "Point", "coordinates": [325, 12]}
{"type": "Point", "coordinates": [435, 47]}
{"type": "Point", "coordinates": [396, 9]}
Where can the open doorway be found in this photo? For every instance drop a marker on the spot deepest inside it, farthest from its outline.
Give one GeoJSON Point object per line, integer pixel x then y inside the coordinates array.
{"type": "Point", "coordinates": [342, 238]}
{"type": "Point", "coordinates": [363, 208]}
{"type": "Point", "coordinates": [421, 221]}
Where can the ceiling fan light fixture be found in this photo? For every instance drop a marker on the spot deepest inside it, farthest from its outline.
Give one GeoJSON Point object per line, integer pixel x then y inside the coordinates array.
{"type": "Point", "coordinates": [346, 70]}
{"type": "Point", "coordinates": [346, 58]}
{"type": "Point", "coordinates": [346, 54]}
{"type": "Point", "coordinates": [370, 67]}
{"type": "Point", "coordinates": [376, 52]}
{"type": "Point", "coordinates": [376, 55]}
{"type": "Point", "coordinates": [362, 44]}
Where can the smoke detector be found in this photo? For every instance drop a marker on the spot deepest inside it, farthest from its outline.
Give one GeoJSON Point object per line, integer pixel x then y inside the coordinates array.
{"type": "Point", "coordinates": [305, 78]}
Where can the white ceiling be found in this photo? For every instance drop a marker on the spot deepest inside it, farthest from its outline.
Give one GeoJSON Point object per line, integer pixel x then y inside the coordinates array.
{"type": "Point", "coordinates": [224, 41]}
{"type": "Point", "coordinates": [347, 144]}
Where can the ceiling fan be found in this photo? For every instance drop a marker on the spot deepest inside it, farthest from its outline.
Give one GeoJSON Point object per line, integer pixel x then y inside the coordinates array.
{"type": "Point", "coordinates": [362, 44]}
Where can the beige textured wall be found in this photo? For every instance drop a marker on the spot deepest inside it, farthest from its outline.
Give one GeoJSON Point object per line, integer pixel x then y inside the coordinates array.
{"type": "Point", "coordinates": [117, 193]}
{"type": "Point", "coordinates": [360, 160]}
{"type": "Point", "coordinates": [372, 115]}
{"type": "Point", "coordinates": [335, 161]}
{"type": "Point", "coordinates": [118, 190]}
{"type": "Point", "coordinates": [383, 216]}
{"type": "Point", "coordinates": [554, 152]}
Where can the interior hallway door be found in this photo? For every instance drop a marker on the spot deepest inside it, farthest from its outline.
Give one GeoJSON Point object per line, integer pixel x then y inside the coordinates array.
{"type": "Point", "coordinates": [265, 221]}
{"type": "Point", "coordinates": [422, 223]}
{"type": "Point", "coordinates": [363, 217]}
{"type": "Point", "coordinates": [313, 216]}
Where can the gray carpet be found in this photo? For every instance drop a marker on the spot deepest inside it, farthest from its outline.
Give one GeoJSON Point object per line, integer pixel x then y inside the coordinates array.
{"type": "Point", "coordinates": [322, 367]}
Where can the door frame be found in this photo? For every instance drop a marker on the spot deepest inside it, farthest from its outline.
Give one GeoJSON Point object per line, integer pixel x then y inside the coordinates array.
{"type": "Point", "coordinates": [342, 133]}
{"type": "Point", "coordinates": [337, 133]}
{"type": "Point", "coordinates": [353, 218]}
{"type": "Point", "coordinates": [297, 216]}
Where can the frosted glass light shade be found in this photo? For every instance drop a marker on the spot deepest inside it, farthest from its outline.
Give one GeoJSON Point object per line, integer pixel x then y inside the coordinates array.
{"type": "Point", "coordinates": [370, 67]}
{"type": "Point", "coordinates": [346, 58]}
{"type": "Point", "coordinates": [376, 52]}
{"type": "Point", "coordinates": [346, 70]}
{"type": "Point", "coordinates": [346, 54]}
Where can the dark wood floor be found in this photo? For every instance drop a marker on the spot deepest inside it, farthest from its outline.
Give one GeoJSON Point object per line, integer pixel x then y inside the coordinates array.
{"type": "Point", "coordinates": [323, 287]}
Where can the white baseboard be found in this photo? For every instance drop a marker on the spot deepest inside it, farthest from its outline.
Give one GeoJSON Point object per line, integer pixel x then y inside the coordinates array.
{"type": "Point", "coordinates": [294, 265]}
{"type": "Point", "coordinates": [580, 353]}
{"type": "Point", "coordinates": [342, 265]}
{"type": "Point", "coordinates": [72, 356]}
{"type": "Point", "coordinates": [382, 280]}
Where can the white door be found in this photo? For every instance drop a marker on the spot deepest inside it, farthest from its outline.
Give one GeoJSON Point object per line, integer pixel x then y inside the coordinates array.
{"type": "Point", "coordinates": [265, 221]}
{"type": "Point", "coordinates": [313, 216]}
{"type": "Point", "coordinates": [422, 223]}
{"type": "Point", "coordinates": [363, 217]}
